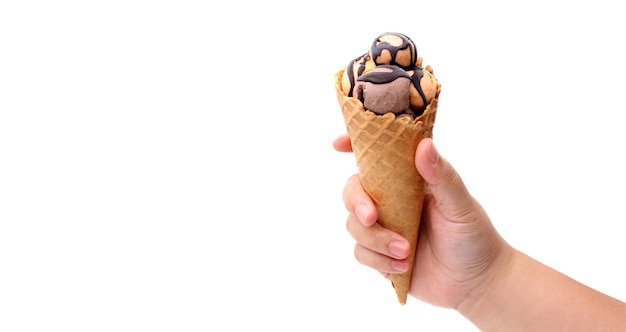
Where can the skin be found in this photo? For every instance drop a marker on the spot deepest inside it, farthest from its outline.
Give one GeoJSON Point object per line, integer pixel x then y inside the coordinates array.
{"type": "Point", "coordinates": [463, 263]}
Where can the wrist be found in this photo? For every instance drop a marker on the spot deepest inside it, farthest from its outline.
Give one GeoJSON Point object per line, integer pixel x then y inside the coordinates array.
{"type": "Point", "coordinates": [482, 304]}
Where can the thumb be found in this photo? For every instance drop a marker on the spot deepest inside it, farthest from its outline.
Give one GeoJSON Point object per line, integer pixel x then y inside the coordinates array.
{"type": "Point", "coordinates": [443, 181]}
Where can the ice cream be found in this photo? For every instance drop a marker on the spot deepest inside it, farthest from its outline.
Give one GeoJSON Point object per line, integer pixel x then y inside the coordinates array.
{"type": "Point", "coordinates": [398, 55]}
{"type": "Point", "coordinates": [389, 103]}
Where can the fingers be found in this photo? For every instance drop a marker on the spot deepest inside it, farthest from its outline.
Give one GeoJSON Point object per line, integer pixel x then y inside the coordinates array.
{"type": "Point", "coordinates": [376, 246]}
{"type": "Point", "coordinates": [343, 143]}
{"type": "Point", "coordinates": [379, 248]}
{"type": "Point", "coordinates": [381, 263]}
{"type": "Point", "coordinates": [378, 239]}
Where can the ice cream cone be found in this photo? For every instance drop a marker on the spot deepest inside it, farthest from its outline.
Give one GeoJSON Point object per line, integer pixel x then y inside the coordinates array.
{"type": "Point", "coordinates": [384, 147]}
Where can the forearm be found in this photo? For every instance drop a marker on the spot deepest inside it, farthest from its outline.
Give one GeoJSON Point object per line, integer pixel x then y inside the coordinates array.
{"type": "Point", "coordinates": [530, 296]}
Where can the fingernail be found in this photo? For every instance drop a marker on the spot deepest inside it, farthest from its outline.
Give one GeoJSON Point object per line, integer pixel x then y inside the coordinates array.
{"type": "Point", "coordinates": [400, 266]}
{"type": "Point", "coordinates": [433, 154]}
{"type": "Point", "coordinates": [362, 212]}
{"type": "Point", "coordinates": [399, 249]}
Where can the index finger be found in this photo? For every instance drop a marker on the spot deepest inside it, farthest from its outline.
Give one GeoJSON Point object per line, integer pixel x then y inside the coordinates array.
{"type": "Point", "coordinates": [343, 143]}
{"type": "Point", "coordinates": [358, 203]}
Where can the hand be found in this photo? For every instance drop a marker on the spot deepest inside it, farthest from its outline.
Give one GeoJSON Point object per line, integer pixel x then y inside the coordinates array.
{"type": "Point", "coordinates": [458, 252]}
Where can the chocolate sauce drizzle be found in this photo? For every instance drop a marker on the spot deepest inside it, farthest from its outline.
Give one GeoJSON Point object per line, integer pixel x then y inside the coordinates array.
{"type": "Point", "coordinates": [350, 70]}
{"type": "Point", "coordinates": [417, 78]}
{"type": "Point", "coordinates": [382, 77]}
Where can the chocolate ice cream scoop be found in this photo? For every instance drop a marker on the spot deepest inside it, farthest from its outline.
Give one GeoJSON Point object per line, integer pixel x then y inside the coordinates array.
{"type": "Point", "coordinates": [384, 89]}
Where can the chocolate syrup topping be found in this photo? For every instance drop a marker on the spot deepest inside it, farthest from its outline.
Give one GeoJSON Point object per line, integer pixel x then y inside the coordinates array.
{"type": "Point", "coordinates": [384, 76]}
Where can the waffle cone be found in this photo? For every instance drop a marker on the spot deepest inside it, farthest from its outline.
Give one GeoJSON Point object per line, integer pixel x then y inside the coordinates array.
{"type": "Point", "coordinates": [384, 148]}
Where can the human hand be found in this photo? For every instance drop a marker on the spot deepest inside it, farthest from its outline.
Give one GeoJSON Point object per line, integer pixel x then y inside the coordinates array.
{"type": "Point", "coordinates": [458, 251]}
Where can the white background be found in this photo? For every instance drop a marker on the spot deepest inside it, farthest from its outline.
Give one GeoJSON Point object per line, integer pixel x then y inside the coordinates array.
{"type": "Point", "coordinates": [167, 165]}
